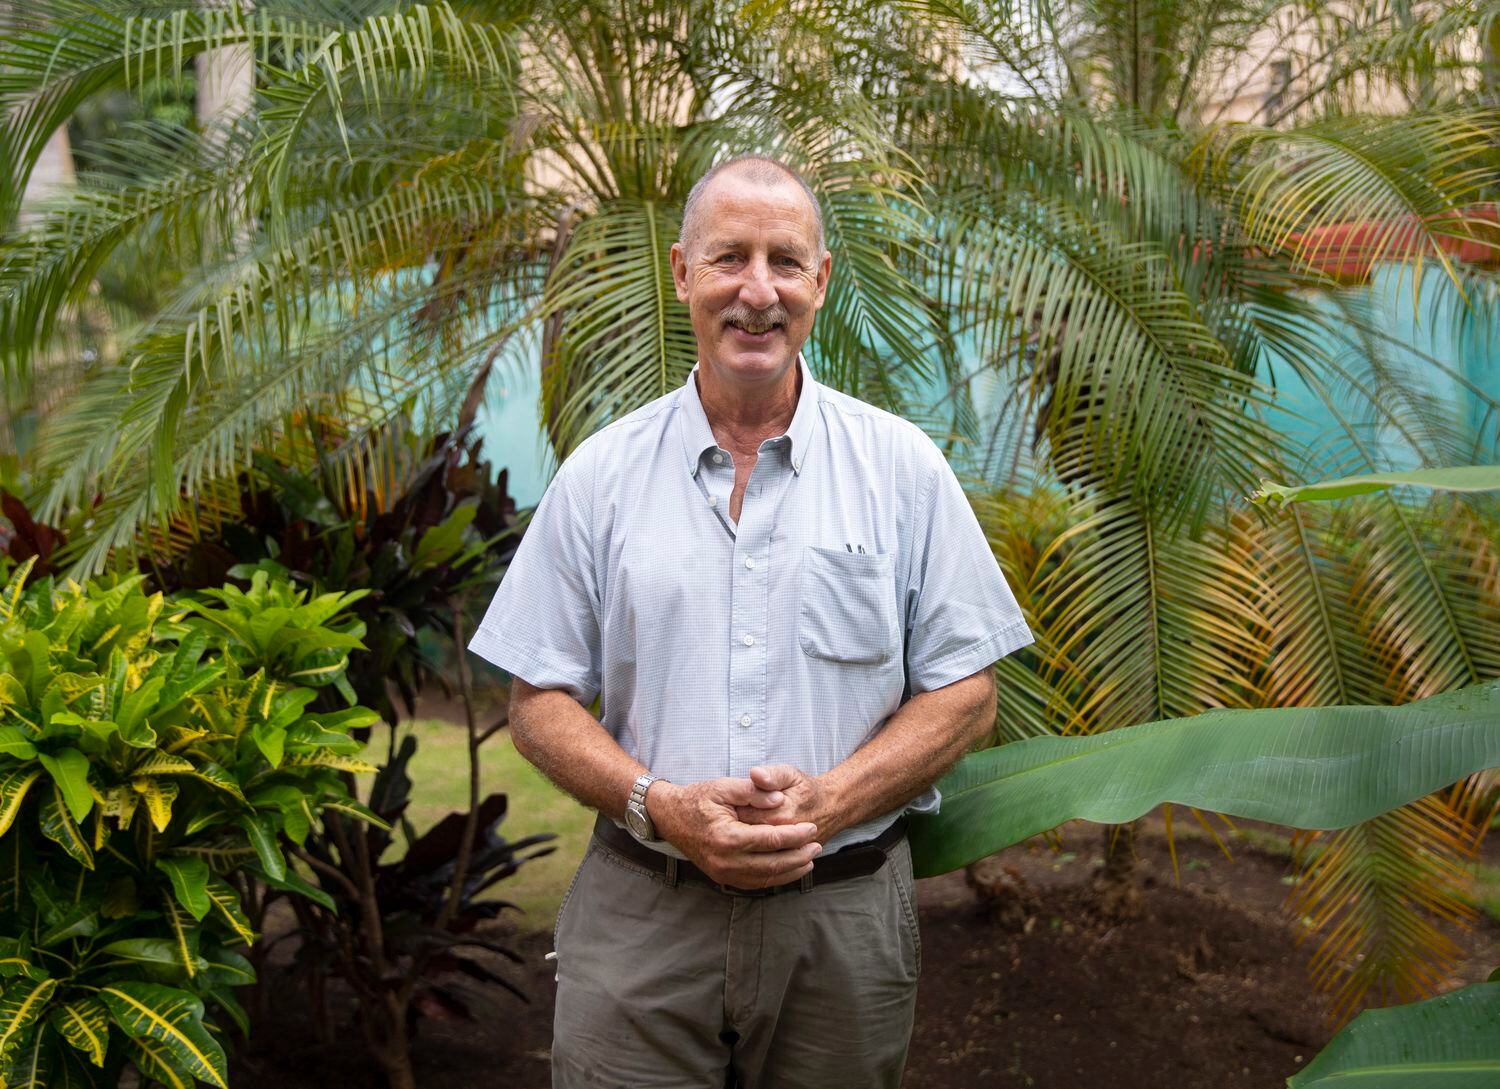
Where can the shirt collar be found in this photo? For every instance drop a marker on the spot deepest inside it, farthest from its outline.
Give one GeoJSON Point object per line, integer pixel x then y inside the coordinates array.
{"type": "Point", "coordinates": [698, 436]}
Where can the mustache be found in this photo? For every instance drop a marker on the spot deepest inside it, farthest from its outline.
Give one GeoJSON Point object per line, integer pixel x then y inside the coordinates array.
{"type": "Point", "coordinates": [754, 321]}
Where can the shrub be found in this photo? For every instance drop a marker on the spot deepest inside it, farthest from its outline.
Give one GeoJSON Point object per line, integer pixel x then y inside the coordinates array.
{"type": "Point", "coordinates": [154, 753]}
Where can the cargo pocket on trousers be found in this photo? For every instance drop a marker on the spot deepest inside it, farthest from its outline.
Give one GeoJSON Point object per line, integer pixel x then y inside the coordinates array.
{"type": "Point", "coordinates": [847, 611]}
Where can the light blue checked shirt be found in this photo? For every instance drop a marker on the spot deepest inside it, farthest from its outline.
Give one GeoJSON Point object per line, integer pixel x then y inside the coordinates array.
{"type": "Point", "coordinates": [855, 577]}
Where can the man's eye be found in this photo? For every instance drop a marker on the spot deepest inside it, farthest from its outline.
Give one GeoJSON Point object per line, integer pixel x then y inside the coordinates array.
{"type": "Point", "coordinates": [725, 258]}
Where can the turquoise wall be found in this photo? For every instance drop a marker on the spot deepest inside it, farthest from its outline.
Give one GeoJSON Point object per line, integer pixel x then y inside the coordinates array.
{"type": "Point", "coordinates": [1425, 335]}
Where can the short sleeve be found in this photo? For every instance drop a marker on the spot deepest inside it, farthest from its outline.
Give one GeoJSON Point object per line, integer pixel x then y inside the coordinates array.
{"type": "Point", "coordinates": [543, 623]}
{"type": "Point", "coordinates": [961, 614]}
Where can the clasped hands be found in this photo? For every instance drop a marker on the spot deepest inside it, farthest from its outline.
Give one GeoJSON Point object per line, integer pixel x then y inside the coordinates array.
{"type": "Point", "coordinates": [749, 833]}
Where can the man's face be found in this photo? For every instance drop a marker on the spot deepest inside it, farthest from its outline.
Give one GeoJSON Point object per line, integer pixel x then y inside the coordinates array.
{"type": "Point", "coordinates": [752, 277]}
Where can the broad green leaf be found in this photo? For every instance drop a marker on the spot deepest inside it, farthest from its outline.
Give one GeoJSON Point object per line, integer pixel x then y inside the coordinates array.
{"type": "Point", "coordinates": [189, 882]}
{"type": "Point", "coordinates": [261, 828]}
{"type": "Point", "coordinates": [131, 714]}
{"type": "Point", "coordinates": [292, 881]}
{"type": "Point", "coordinates": [13, 742]}
{"type": "Point", "coordinates": [172, 1018]}
{"type": "Point", "coordinates": [160, 952]}
{"type": "Point", "coordinates": [351, 718]}
{"type": "Point", "coordinates": [1462, 478]}
{"type": "Point", "coordinates": [223, 997]}
{"type": "Point", "coordinates": [355, 809]}
{"type": "Point", "coordinates": [271, 740]}
{"type": "Point", "coordinates": [58, 825]}
{"type": "Point", "coordinates": [13, 787]}
{"type": "Point", "coordinates": [1305, 767]}
{"type": "Point", "coordinates": [69, 769]}
{"type": "Point", "coordinates": [79, 921]}
{"type": "Point", "coordinates": [84, 1023]}
{"type": "Point", "coordinates": [158, 794]}
{"type": "Point", "coordinates": [23, 1001]}
{"type": "Point", "coordinates": [1448, 1042]}
{"type": "Point", "coordinates": [229, 968]}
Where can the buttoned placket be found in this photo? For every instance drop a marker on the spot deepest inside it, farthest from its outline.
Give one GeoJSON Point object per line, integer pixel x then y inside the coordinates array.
{"type": "Point", "coordinates": [750, 586]}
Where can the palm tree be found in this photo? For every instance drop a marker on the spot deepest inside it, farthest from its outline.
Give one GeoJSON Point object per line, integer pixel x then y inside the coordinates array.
{"type": "Point", "coordinates": [1034, 197]}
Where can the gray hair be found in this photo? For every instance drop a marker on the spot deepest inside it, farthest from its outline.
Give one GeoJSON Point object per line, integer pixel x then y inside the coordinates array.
{"type": "Point", "coordinates": [759, 169]}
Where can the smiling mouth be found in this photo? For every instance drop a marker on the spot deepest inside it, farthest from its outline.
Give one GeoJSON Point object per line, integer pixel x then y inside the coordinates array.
{"type": "Point", "coordinates": [754, 330]}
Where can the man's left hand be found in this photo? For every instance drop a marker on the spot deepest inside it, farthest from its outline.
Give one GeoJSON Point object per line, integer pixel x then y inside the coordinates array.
{"type": "Point", "coordinates": [802, 797]}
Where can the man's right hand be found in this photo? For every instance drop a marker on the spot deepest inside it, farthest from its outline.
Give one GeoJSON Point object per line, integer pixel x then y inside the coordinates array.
{"type": "Point", "coordinates": [700, 821]}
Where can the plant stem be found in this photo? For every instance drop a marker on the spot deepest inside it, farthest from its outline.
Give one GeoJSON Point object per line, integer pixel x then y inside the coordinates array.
{"type": "Point", "coordinates": [471, 819]}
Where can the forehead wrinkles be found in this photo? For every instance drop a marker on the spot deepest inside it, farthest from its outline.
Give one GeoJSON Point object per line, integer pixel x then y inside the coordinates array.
{"type": "Point", "coordinates": [734, 206]}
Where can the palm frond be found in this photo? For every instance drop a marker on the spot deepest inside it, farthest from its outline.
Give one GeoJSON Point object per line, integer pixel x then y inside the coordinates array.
{"type": "Point", "coordinates": [1380, 898]}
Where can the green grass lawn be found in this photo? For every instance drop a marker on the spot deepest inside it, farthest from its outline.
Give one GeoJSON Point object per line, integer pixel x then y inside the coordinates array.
{"type": "Point", "coordinates": [440, 778]}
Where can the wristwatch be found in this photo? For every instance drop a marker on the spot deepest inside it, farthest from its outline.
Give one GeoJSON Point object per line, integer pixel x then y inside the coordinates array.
{"type": "Point", "coordinates": [637, 819]}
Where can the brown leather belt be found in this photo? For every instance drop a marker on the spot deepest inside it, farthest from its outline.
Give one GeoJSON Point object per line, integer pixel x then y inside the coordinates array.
{"type": "Point", "coordinates": [855, 860]}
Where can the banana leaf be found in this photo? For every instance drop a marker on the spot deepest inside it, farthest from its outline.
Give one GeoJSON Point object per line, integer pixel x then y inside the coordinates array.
{"type": "Point", "coordinates": [1461, 478]}
{"type": "Point", "coordinates": [1306, 767]}
{"type": "Point", "coordinates": [1448, 1042]}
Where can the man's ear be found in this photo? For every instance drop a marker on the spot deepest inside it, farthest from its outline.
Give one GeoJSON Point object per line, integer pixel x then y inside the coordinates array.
{"type": "Point", "coordinates": [825, 266]}
{"type": "Point", "coordinates": [679, 271]}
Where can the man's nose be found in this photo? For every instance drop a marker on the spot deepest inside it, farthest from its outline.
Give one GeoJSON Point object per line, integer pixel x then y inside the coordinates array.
{"type": "Point", "coordinates": [756, 288]}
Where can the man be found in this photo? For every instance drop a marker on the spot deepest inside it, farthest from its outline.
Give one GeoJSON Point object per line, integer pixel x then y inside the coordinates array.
{"type": "Point", "coordinates": [790, 612]}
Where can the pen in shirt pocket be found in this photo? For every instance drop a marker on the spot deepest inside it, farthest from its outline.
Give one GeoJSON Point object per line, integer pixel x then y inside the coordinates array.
{"type": "Point", "coordinates": [851, 548]}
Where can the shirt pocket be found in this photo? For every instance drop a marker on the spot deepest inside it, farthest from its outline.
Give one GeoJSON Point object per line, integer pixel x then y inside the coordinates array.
{"type": "Point", "coordinates": [848, 607]}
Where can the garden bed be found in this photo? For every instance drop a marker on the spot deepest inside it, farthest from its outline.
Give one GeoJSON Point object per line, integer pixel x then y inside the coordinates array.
{"type": "Point", "coordinates": [1202, 989]}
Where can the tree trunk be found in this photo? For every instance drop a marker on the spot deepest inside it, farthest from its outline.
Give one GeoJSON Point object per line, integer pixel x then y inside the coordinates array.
{"type": "Point", "coordinates": [385, 1034]}
{"type": "Point", "coordinates": [1117, 885]}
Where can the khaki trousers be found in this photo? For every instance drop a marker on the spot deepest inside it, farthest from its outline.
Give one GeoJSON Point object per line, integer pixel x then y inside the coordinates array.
{"type": "Point", "coordinates": [691, 988]}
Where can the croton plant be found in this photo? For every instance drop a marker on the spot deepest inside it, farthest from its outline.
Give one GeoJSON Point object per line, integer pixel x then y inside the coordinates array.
{"type": "Point", "coordinates": [155, 754]}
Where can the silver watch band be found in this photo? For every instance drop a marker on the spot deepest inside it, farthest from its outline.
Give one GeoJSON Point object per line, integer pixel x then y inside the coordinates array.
{"type": "Point", "coordinates": [637, 816]}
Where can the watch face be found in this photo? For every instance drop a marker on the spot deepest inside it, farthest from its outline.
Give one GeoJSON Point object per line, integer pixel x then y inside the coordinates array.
{"type": "Point", "coordinates": [638, 823]}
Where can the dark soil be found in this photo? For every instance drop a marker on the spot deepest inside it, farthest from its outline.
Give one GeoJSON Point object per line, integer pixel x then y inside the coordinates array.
{"type": "Point", "coordinates": [1203, 988]}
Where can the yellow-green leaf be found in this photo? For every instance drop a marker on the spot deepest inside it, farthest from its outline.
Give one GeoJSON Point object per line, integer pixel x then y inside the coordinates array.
{"type": "Point", "coordinates": [22, 1003]}
{"type": "Point", "coordinates": [58, 825]}
{"type": "Point", "coordinates": [224, 898]}
{"type": "Point", "coordinates": [329, 760]}
{"type": "Point", "coordinates": [155, 1061]}
{"type": "Point", "coordinates": [85, 1025]}
{"type": "Point", "coordinates": [13, 787]}
{"type": "Point", "coordinates": [151, 1012]}
{"type": "Point", "coordinates": [158, 794]}
{"type": "Point", "coordinates": [160, 763]}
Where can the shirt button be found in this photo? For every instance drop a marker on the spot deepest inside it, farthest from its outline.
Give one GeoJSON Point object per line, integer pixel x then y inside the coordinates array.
{"type": "Point", "coordinates": [750, 562]}
{"type": "Point", "coordinates": [745, 720]}
{"type": "Point", "coordinates": [713, 501]}
{"type": "Point", "coordinates": [749, 640]}
{"type": "Point", "coordinates": [718, 459]}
